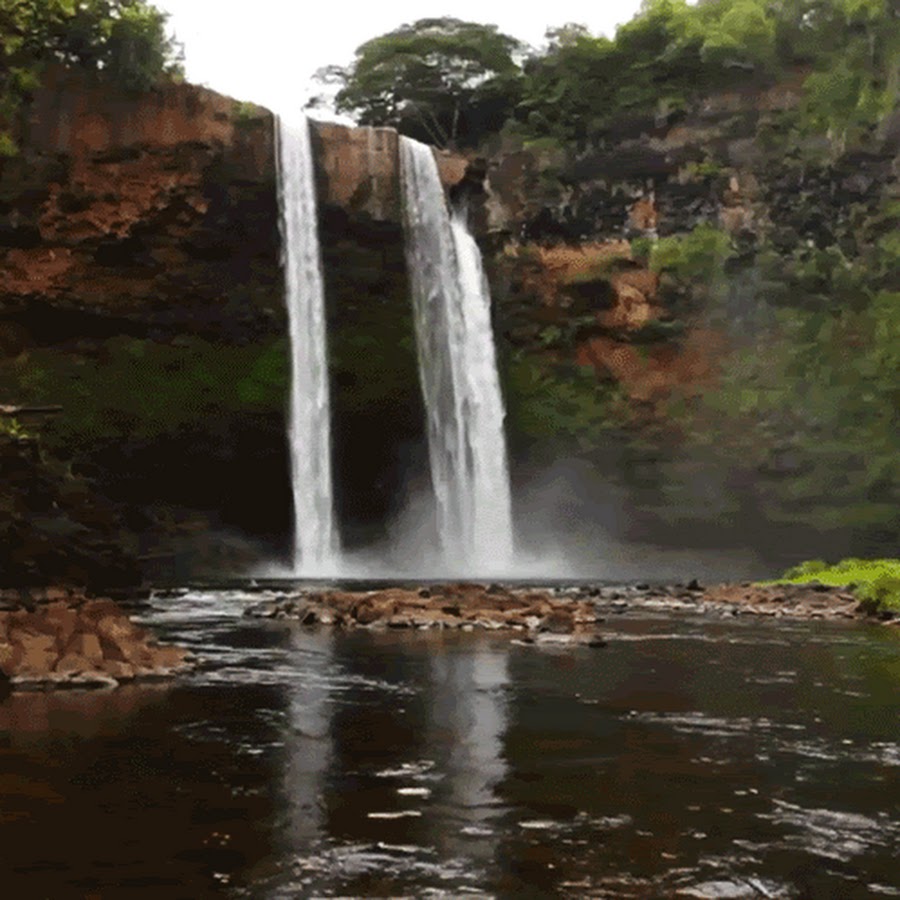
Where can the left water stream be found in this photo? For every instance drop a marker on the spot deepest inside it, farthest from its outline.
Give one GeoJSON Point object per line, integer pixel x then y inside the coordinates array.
{"type": "Point", "coordinates": [690, 757]}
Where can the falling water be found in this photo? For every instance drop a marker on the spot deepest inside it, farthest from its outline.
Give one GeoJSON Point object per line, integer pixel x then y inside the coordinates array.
{"type": "Point", "coordinates": [315, 541]}
{"type": "Point", "coordinates": [458, 373]}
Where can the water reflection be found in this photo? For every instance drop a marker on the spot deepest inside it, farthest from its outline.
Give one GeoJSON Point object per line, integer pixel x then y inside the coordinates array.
{"type": "Point", "coordinates": [393, 751]}
{"type": "Point", "coordinates": [467, 722]}
{"type": "Point", "coordinates": [310, 751]}
{"type": "Point", "coordinates": [688, 758]}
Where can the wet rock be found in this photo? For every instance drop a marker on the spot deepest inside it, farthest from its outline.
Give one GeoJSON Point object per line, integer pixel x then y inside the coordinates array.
{"type": "Point", "coordinates": [365, 613]}
{"type": "Point", "coordinates": [458, 605]}
{"type": "Point", "coordinates": [559, 621]}
{"type": "Point", "coordinates": [80, 642]}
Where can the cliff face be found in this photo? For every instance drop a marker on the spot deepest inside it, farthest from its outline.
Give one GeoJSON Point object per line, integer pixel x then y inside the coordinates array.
{"type": "Point", "coordinates": [156, 210]}
{"type": "Point", "coordinates": [160, 209]}
{"type": "Point", "coordinates": [141, 290]}
{"type": "Point", "coordinates": [679, 291]}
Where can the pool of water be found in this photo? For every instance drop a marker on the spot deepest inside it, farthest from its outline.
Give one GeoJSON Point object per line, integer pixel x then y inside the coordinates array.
{"type": "Point", "coordinates": [715, 757]}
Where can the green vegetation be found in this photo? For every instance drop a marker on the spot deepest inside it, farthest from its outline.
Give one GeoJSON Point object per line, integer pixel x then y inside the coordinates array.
{"type": "Point", "coordinates": [698, 256]}
{"type": "Point", "coordinates": [140, 389]}
{"type": "Point", "coordinates": [121, 40]}
{"type": "Point", "coordinates": [373, 360]}
{"type": "Point", "coordinates": [11, 427]}
{"type": "Point", "coordinates": [557, 403]}
{"type": "Point", "coordinates": [672, 52]}
{"type": "Point", "coordinates": [875, 581]}
{"type": "Point", "coordinates": [448, 81]}
{"type": "Point", "coordinates": [440, 80]}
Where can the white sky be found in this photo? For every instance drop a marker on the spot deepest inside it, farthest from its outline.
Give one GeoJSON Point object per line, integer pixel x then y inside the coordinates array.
{"type": "Point", "coordinates": [266, 51]}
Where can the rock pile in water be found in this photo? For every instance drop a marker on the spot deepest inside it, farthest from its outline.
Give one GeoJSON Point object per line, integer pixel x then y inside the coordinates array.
{"type": "Point", "coordinates": [456, 606]}
{"type": "Point", "coordinates": [71, 640]}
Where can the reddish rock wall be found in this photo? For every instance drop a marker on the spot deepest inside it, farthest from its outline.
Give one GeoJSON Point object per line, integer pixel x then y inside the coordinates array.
{"type": "Point", "coordinates": [161, 208]}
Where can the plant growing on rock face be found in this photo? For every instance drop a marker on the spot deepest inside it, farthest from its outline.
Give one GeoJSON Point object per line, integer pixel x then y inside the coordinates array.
{"type": "Point", "coordinates": [12, 428]}
{"type": "Point", "coordinates": [698, 257]}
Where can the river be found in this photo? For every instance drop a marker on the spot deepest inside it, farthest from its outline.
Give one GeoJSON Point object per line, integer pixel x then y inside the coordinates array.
{"type": "Point", "coordinates": [694, 757]}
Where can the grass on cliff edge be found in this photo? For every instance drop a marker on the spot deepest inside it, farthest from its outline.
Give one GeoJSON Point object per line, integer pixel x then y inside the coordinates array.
{"type": "Point", "coordinates": [875, 581]}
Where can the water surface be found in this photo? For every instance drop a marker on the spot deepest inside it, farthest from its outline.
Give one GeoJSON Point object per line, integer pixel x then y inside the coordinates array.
{"type": "Point", "coordinates": [696, 758]}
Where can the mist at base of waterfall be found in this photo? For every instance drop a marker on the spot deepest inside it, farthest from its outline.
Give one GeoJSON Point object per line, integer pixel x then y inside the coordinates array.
{"type": "Point", "coordinates": [556, 542]}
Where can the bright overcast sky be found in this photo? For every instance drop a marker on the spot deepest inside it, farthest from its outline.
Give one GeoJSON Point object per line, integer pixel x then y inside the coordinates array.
{"type": "Point", "coordinates": [267, 50]}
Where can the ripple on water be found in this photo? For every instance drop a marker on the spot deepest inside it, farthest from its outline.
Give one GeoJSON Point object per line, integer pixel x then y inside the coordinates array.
{"type": "Point", "coordinates": [419, 769]}
{"type": "Point", "coordinates": [738, 889]}
{"type": "Point", "coordinates": [833, 834]}
{"type": "Point", "coordinates": [336, 869]}
{"type": "Point", "coordinates": [714, 726]}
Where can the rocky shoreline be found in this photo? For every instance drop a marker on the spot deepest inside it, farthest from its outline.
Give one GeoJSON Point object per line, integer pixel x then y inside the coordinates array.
{"type": "Point", "coordinates": [572, 613]}
{"type": "Point", "coordinates": [59, 638]}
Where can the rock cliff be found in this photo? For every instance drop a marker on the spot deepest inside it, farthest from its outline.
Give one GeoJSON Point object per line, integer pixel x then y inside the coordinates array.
{"type": "Point", "coordinates": [140, 289]}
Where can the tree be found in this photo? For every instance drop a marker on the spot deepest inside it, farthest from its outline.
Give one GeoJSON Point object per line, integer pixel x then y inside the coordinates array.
{"type": "Point", "coordinates": [440, 80]}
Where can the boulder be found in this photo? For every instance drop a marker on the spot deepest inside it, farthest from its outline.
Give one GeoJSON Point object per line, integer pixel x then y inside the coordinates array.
{"type": "Point", "coordinates": [80, 642]}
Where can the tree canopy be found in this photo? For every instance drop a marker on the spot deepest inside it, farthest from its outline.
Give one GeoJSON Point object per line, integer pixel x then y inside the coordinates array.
{"type": "Point", "coordinates": [441, 80]}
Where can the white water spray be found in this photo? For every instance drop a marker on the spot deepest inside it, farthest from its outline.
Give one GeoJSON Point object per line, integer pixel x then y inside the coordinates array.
{"type": "Point", "coordinates": [458, 373]}
{"type": "Point", "coordinates": [315, 538]}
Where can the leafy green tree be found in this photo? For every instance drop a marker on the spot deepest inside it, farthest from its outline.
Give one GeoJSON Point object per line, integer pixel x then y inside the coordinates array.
{"type": "Point", "coordinates": [741, 34]}
{"type": "Point", "coordinates": [440, 80]}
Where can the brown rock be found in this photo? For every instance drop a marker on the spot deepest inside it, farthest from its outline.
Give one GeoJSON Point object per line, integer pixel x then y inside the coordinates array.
{"type": "Point", "coordinates": [365, 613]}
{"type": "Point", "coordinates": [87, 646]}
{"type": "Point", "coordinates": [118, 669]}
{"type": "Point", "coordinates": [643, 215]}
{"type": "Point", "coordinates": [34, 622]}
{"type": "Point", "coordinates": [65, 620]}
{"type": "Point", "coordinates": [37, 655]}
{"type": "Point", "coordinates": [95, 610]}
{"type": "Point", "coordinates": [119, 629]}
{"type": "Point", "coordinates": [9, 658]}
{"type": "Point", "coordinates": [558, 622]}
{"type": "Point", "coordinates": [74, 664]}
{"type": "Point", "coordinates": [166, 659]}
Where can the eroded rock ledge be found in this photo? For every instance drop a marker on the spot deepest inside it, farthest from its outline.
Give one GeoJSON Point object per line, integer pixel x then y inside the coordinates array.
{"type": "Point", "coordinates": [69, 640]}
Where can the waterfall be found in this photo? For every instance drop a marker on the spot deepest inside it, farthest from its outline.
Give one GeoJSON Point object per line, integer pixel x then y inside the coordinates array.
{"type": "Point", "coordinates": [458, 373]}
{"type": "Point", "coordinates": [309, 421]}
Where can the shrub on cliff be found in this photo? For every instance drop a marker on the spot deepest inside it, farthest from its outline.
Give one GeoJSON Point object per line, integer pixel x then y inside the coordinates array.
{"type": "Point", "coordinates": [122, 40]}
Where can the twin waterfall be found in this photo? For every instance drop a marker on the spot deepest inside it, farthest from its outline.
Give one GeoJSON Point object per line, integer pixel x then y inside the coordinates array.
{"type": "Point", "coordinates": [457, 369]}
{"type": "Point", "coordinates": [309, 419]}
